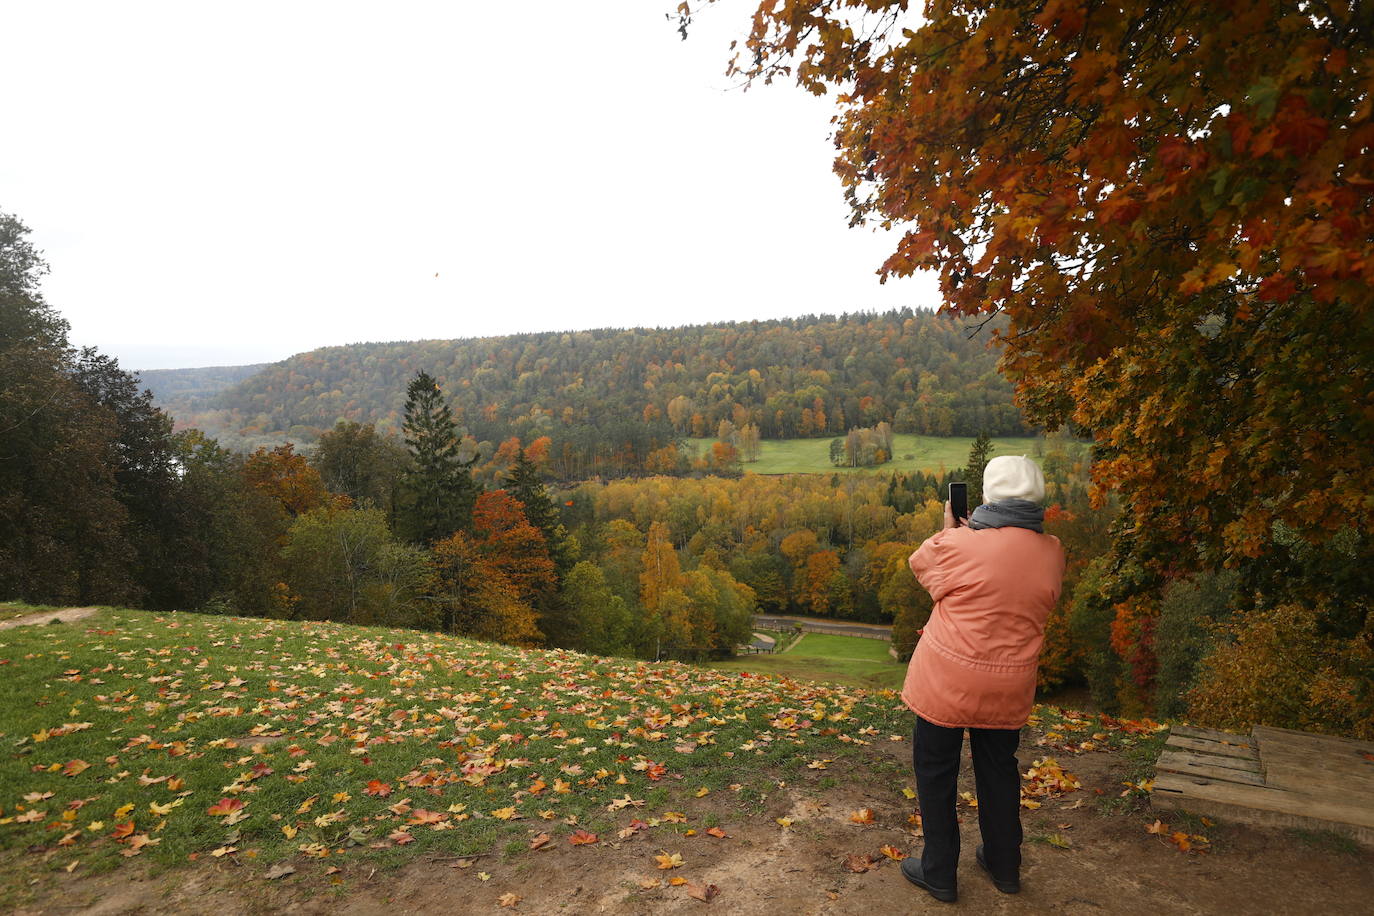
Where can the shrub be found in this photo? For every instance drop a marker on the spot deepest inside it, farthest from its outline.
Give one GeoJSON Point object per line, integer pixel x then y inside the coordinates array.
{"type": "Point", "coordinates": [1189, 614]}
{"type": "Point", "coordinates": [1277, 668]}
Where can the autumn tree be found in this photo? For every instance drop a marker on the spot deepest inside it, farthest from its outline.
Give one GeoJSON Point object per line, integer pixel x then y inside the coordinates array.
{"type": "Point", "coordinates": [355, 460]}
{"type": "Point", "coordinates": [438, 492]}
{"type": "Point", "coordinates": [514, 546]}
{"type": "Point", "coordinates": [344, 565]}
{"type": "Point", "coordinates": [1170, 204]}
{"type": "Point", "coordinates": [289, 479]}
{"type": "Point", "coordinates": [660, 571]}
{"type": "Point", "coordinates": [63, 528]}
{"type": "Point", "coordinates": [601, 621]}
{"type": "Point", "coordinates": [473, 597]}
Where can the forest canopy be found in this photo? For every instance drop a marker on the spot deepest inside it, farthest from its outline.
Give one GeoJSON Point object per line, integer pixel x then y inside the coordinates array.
{"type": "Point", "coordinates": [812, 376]}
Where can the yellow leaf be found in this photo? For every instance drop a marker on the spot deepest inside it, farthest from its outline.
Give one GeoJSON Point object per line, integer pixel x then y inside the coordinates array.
{"type": "Point", "coordinates": [862, 816]}
{"type": "Point", "coordinates": [703, 792]}
{"type": "Point", "coordinates": [667, 860]}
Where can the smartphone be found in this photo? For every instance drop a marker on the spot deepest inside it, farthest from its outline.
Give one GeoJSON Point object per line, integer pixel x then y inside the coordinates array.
{"type": "Point", "coordinates": [958, 502]}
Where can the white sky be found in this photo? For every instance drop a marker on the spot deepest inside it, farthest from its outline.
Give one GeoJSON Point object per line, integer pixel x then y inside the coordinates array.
{"type": "Point", "coordinates": [236, 182]}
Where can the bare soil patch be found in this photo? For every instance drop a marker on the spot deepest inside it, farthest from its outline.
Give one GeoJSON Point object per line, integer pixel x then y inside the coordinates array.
{"type": "Point", "coordinates": [62, 615]}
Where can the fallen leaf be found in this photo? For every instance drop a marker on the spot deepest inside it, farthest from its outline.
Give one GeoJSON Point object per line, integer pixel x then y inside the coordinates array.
{"type": "Point", "coordinates": [666, 860]}
{"type": "Point", "coordinates": [508, 899]}
{"type": "Point", "coordinates": [717, 832]}
{"type": "Point", "coordinates": [705, 893]}
{"type": "Point", "coordinates": [581, 838]}
{"type": "Point", "coordinates": [540, 840]}
{"type": "Point", "coordinates": [280, 871]}
{"type": "Point", "coordinates": [224, 807]}
{"type": "Point", "coordinates": [862, 816]}
{"type": "Point", "coordinates": [857, 863]}
{"type": "Point", "coordinates": [892, 853]}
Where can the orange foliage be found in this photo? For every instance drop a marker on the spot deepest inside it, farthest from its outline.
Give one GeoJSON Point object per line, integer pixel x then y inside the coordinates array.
{"type": "Point", "coordinates": [289, 479]}
{"type": "Point", "coordinates": [513, 545]}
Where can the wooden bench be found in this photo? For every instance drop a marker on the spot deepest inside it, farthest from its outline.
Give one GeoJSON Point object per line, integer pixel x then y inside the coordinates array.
{"type": "Point", "coordinates": [1273, 777]}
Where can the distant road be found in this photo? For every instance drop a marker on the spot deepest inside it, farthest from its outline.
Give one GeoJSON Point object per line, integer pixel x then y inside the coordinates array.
{"type": "Point", "coordinates": [819, 625]}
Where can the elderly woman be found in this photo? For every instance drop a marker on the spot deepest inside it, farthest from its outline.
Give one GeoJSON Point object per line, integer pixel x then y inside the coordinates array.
{"type": "Point", "coordinates": [993, 582]}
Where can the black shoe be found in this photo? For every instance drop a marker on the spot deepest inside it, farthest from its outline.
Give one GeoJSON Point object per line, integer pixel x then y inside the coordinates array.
{"type": "Point", "coordinates": [911, 870]}
{"type": "Point", "coordinates": [1007, 887]}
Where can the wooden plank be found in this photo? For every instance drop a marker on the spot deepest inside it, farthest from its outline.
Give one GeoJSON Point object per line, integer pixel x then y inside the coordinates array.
{"type": "Point", "coordinates": [1291, 735]}
{"type": "Point", "coordinates": [1206, 768]}
{"type": "Point", "coordinates": [1239, 764]}
{"type": "Point", "coordinates": [1287, 763]}
{"type": "Point", "coordinates": [1244, 814]}
{"type": "Point", "coordinates": [1211, 747]}
{"type": "Point", "coordinates": [1245, 764]}
{"type": "Point", "coordinates": [1277, 801]}
{"type": "Point", "coordinates": [1211, 734]}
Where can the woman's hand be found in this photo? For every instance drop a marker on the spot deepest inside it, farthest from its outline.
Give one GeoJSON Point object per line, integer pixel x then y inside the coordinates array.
{"type": "Point", "coordinates": [949, 518]}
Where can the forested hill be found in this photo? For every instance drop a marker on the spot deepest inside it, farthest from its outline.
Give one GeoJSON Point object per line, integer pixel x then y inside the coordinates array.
{"type": "Point", "coordinates": [193, 388]}
{"type": "Point", "coordinates": [800, 377]}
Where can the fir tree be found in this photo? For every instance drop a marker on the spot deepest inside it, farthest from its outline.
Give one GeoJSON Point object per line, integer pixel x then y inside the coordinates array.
{"type": "Point", "coordinates": [524, 483]}
{"type": "Point", "coordinates": [438, 492]}
{"type": "Point", "coordinates": [978, 456]}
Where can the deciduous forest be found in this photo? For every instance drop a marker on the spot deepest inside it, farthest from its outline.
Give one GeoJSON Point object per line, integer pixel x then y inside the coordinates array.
{"type": "Point", "coordinates": [608, 398]}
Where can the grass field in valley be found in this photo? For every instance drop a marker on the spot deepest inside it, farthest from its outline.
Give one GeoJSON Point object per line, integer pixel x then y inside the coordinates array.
{"type": "Point", "coordinates": [179, 736]}
{"type": "Point", "coordinates": [910, 453]}
{"type": "Point", "coordinates": [849, 660]}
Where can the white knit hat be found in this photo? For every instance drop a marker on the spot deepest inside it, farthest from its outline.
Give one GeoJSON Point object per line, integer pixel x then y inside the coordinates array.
{"type": "Point", "coordinates": [1013, 477]}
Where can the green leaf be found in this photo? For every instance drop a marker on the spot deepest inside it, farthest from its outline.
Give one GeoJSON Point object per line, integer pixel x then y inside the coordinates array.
{"type": "Point", "coordinates": [1263, 96]}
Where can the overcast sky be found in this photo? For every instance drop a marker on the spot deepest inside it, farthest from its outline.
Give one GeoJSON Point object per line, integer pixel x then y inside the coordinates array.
{"type": "Point", "coordinates": [227, 183]}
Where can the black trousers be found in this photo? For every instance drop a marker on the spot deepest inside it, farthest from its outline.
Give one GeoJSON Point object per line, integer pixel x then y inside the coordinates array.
{"type": "Point", "coordinates": [997, 779]}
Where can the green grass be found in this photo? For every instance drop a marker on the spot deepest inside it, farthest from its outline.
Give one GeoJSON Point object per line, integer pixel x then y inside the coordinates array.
{"type": "Point", "coordinates": [849, 660]}
{"type": "Point", "coordinates": [910, 453]}
{"type": "Point", "coordinates": [128, 725]}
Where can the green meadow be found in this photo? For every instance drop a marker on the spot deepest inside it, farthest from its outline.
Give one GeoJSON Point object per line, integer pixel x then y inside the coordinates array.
{"type": "Point", "coordinates": [849, 660]}
{"type": "Point", "coordinates": [911, 453]}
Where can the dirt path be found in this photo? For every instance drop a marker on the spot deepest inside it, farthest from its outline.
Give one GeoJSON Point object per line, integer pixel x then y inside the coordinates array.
{"type": "Point", "coordinates": [65, 615]}
{"type": "Point", "coordinates": [1111, 866]}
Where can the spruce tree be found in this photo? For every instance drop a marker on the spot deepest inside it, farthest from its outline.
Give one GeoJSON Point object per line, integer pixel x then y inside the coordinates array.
{"type": "Point", "coordinates": [438, 492]}
{"type": "Point", "coordinates": [523, 482]}
{"type": "Point", "coordinates": [978, 456]}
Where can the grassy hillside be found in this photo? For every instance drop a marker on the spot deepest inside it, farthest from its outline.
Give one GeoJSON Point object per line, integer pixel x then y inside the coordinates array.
{"type": "Point", "coordinates": [183, 736]}
{"type": "Point", "coordinates": [911, 453]}
{"type": "Point", "coordinates": [170, 764]}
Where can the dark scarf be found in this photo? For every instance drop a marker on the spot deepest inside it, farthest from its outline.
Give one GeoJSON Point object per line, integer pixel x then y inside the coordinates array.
{"type": "Point", "coordinates": [1009, 513]}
